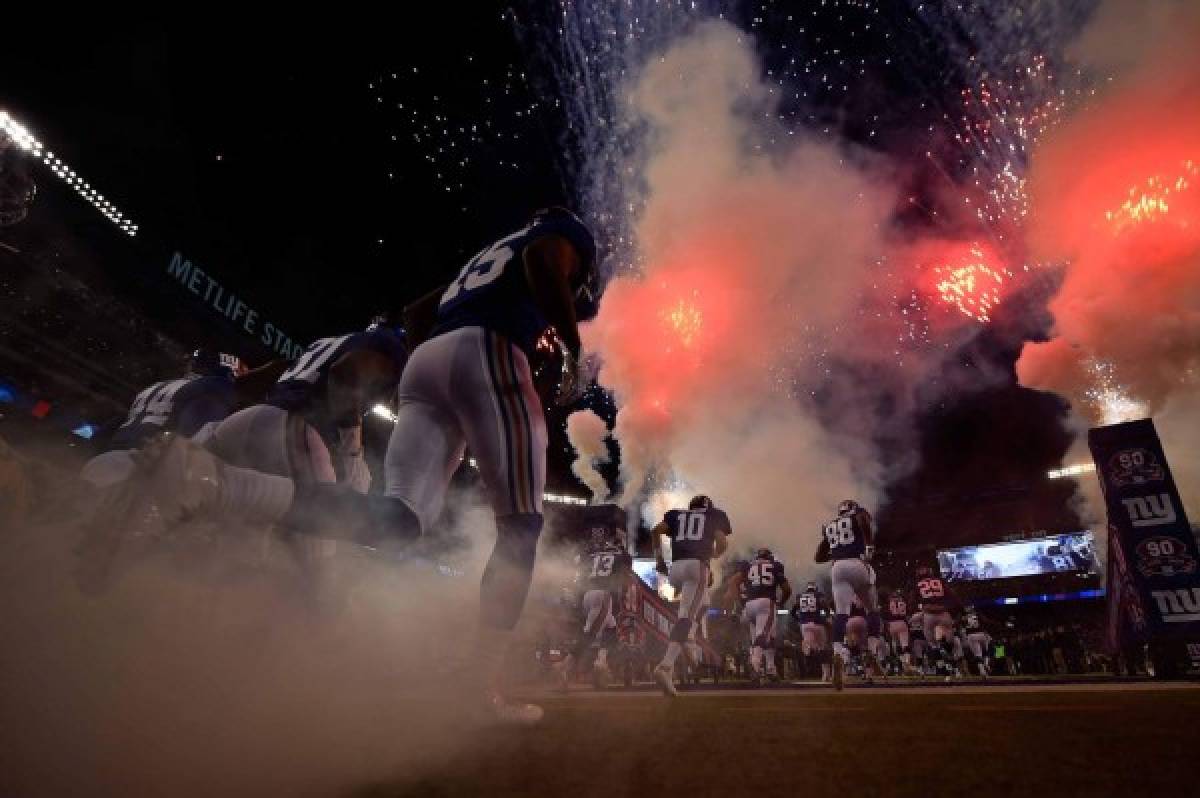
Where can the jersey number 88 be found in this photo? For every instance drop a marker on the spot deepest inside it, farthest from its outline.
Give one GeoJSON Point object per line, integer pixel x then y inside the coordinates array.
{"type": "Point", "coordinates": [840, 532]}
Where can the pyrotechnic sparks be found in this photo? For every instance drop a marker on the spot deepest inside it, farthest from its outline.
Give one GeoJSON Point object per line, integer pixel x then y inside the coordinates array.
{"type": "Point", "coordinates": [1151, 200]}
{"type": "Point", "coordinates": [971, 283]}
{"type": "Point", "coordinates": [685, 320]}
{"type": "Point", "coordinates": [1110, 399]}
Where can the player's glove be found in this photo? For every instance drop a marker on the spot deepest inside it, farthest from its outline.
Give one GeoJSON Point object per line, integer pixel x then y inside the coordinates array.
{"type": "Point", "coordinates": [661, 566]}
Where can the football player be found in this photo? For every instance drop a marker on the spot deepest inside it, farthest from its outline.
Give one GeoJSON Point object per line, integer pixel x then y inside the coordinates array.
{"type": "Point", "coordinates": [807, 611]}
{"type": "Point", "coordinates": [310, 426]}
{"type": "Point", "coordinates": [467, 385]}
{"type": "Point", "coordinates": [978, 641]}
{"type": "Point", "coordinates": [916, 635]}
{"type": "Point", "coordinates": [897, 628]}
{"type": "Point", "coordinates": [698, 535]}
{"type": "Point", "coordinates": [847, 540]}
{"type": "Point", "coordinates": [936, 601]}
{"type": "Point", "coordinates": [605, 569]}
{"type": "Point", "coordinates": [190, 406]}
{"type": "Point", "coordinates": [766, 586]}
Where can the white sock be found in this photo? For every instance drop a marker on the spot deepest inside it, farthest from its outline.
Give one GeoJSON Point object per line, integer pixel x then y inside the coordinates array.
{"type": "Point", "coordinates": [826, 671]}
{"type": "Point", "coordinates": [673, 650]}
{"type": "Point", "coordinates": [756, 658]}
{"type": "Point", "coordinates": [770, 655]}
{"type": "Point", "coordinates": [602, 658]}
{"type": "Point", "coordinates": [254, 496]}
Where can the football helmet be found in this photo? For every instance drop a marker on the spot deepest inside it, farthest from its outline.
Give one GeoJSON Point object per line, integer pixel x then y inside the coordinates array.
{"type": "Point", "coordinates": [205, 362]}
{"type": "Point", "coordinates": [811, 587]}
{"type": "Point", "coordinates": [700, 502]}
{"type": "Point", "coordinates": [923, 571]}
{"type": "Point", "coordinates": [848, 507]}
{"type": "Point", "coordinates": [764, 554]}
{"type": "Point", "coordinates": [557, 219]}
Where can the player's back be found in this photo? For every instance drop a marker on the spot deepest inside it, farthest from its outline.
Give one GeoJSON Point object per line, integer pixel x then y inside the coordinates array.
{"type": "Point", "coordinates": [301, 387]}
{"type": "Point", "coordinates": [763, 578]}
{"type": "Point", "coordinates": [694, 531]}
{"type": "Point", "coordinates": [848, 535]}
{"type": "Point", "coordinates": [604, 567]}
{"type": "Point", "coordinates": [897, 607]}
{"type": "Point", "coordinates": [934, 594]}
{"type": "Point", "coordinates": [808, 606]}
{"type": "Point", "coordinates": [171, 404]}
{"type": "Point", "coordinates": [492, 291]}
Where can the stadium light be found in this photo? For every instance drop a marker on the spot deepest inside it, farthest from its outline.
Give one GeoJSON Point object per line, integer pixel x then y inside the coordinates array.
{"type": "Point", "coordinates": [1071, 470]}
{"type": "Point", "coordinates": [20, 135]}
{"type": "Point", "coordinates": [384, 412]}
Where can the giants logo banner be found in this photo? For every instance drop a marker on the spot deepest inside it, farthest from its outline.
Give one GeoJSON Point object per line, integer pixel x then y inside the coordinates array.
{"type": "Point", "coordinates": [1154, 579]}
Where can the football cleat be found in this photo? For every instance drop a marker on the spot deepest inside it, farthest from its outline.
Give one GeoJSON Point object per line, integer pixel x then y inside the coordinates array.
{"type": "Point", "coordinates": [515, 714]}
{"type": "Point", "coordinates": [665, 681]}
{"type": "Point", "coordinates": [600, 676]}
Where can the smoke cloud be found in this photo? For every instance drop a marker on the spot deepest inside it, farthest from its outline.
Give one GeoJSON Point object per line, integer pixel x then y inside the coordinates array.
{"type": "Point", "coordinates": [588, 435]}
{"type": "Point", "coordinates": [226, 662]}
{"type": "Point", "coordinates": [749, 254]}
{"type": "Point", "coordinates": [1115, 195]}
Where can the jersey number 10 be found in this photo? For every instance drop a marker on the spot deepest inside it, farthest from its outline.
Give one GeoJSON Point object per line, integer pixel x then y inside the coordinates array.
{"type": "Point", "coordinates": [690, 526]}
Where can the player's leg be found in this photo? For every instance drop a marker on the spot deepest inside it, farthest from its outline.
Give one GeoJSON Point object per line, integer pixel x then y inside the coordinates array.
{"type": "Point", "coordinates": [768, 640]}
{"type": "Point", "coordinates": [869, 596]}
{"type": "Point", "coordinates": [490, 390]}
{"type": "Point", "coordinates": [753, 616]}
{"type": "Point", "coordinates": [108, 468]}
{"type": "Point", "coordinates": [843, 600]}
{"type": "Point", "coordinates": [689, 577]}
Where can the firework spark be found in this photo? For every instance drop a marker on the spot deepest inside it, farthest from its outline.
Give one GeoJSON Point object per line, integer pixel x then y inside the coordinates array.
{"type": "Point", "coordinates": [686, 321]}
{"type": "Point", "coordinates": [971, 283]}
{"type": "Point", "coordinates": [1151, 200]}
{"type": "Point", "coordinates": [1109, 398]}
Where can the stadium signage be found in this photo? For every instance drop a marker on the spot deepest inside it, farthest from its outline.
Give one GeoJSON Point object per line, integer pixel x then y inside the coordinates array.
{"type": "Point", "coordinates": [215, 296]}
{"type": "Point", "coordinates": [1153, 578]}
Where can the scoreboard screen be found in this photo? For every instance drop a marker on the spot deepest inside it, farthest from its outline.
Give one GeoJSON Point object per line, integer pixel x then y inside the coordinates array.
{"type": "Point", "coordinates": [1073, 553]}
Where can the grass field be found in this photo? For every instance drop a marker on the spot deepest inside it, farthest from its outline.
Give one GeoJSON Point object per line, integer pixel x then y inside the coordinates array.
{"type": "Point", "coordinates": [1095, 740]}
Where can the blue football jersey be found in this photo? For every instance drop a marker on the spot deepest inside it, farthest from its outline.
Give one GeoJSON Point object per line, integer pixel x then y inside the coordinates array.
{"type": "Point", "coordinates": [298, 388]}
{"type": "Point", "coordinates": [807, 608]}
{"type": "Point", "coordinates": [492, 291]}
{"type": "Point", "coordinates": [693, 532]}
{"type": "Point", "coordinates": [605, 567]}
{"type": "Point", "coordinates": [847, 535]}
{"type": "Point", "coordinates": [763, 578]}
{"type": "Point", "coordinates": [183, 405]}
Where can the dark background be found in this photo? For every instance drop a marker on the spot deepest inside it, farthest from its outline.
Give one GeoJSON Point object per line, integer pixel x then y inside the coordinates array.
{"type": "Point", "coordinates": [326, 170]}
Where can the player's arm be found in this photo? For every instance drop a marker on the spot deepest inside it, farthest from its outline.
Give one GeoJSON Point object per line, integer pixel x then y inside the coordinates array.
{"type": "Point", "coordinates": [822, 554]}
{"type": "Point", "coordinates": [731, 589]}
{"type": "Point", "coordinates": [720, 542]}
{"type": "Point", "coordinates": [866, 528]}
{"type": "Point", "coordinates": [786, 587]}
{"type": "Point", "coordinates": [420, 316]}
{"type": "Point", "coordinates": [252, 386]}
{"type": "Point", "coordinates": [656, 536]}
{"type": "Point", "coordinates": [355, 380]}
{"type": "Point", "coordinates": [207, 408]}
{"type": "Point", "coordinates": [550, 261]}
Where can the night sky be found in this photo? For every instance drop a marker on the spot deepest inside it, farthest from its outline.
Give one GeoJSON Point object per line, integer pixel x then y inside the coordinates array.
{"type": "Point", "coordinates": [332, 169]}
